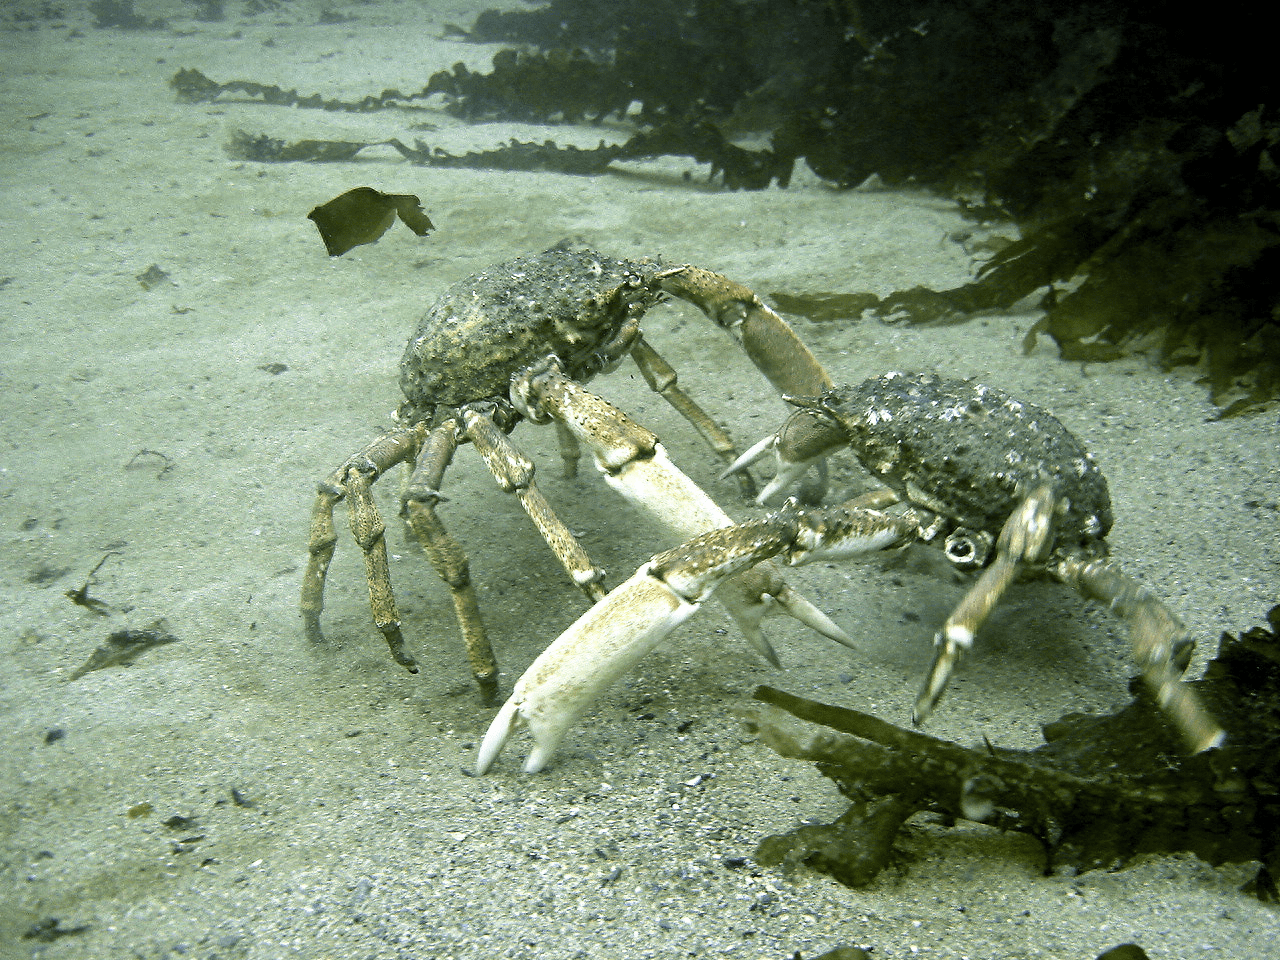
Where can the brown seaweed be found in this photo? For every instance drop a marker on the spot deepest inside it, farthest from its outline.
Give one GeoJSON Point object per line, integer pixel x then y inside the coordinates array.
{"type": "Point", "coordinates": [1100, 791]}
{"type": "Point", "coordinates": [80, 596]}
{"type": "Point", "coordinates": [1136, 148]}
{"type": "Point", "coordinates": [564, 85]}
{"type": "Point", "coordinates": [739, 167]}
{"type": "Point", "coordinates": [1201, 285]}
{"type": "Point", "coordinates": [50, 929]}
{"type": "Point", "coordinates": [120, 13]}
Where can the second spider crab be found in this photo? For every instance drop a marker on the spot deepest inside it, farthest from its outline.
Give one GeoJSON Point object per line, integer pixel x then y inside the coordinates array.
{"type": "Point", "coordinates": [1000, 483]}
{"type": "Point", "coordinates": [517, 342]}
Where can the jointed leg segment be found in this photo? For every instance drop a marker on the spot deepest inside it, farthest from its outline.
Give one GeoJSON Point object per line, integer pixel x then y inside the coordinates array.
{"type": "Point", "coordinates": [661, 377]}
{"type": "Point", "coordinates": [635, 464]}
{"type": "Point", "coordinates": [352, 481]}
{"type": "Point", "coordinates": [1023, 539]}
{"type": "Point", "coordinates": [514, 473]}
{"type": "Point", "coordinates": [447, 557]}
{"type": "Point", "coordinates": [636, 616]}
{"type": "Point", "coordinates": [1160, 643]}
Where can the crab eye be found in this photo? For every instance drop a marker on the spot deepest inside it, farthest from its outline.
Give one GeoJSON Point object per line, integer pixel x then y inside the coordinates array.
{"type": "Point", "coordinates": [967, 549]}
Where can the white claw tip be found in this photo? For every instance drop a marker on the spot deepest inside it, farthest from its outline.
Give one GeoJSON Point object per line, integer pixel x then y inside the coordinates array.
{"type": "Point", "coordinates": [1212, 742]}
{"type": "Point", "coordinates": [539, 757]}
{"type": "Point", "coordinates": [504, 724]}
{"type": "Point", "coordinates": [758, 450]}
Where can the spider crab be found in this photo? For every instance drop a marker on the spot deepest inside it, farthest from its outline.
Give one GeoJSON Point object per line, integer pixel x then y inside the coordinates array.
{"type": "Point", "coordinates": [999, 482]}
{"type": "Point", "coordinates": [517, 342]}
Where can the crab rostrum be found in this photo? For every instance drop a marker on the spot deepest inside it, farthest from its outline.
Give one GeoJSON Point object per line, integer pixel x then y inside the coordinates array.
{"type": "Point", "coordinates": [1000, 483]}
{"type": "Point", "coordinates": [517, 342]}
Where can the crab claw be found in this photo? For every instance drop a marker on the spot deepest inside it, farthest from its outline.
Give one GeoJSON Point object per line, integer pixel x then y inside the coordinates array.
{"type": "Point", "coordinates": [611, 637]}
{"type": "Point", "coordinates": [753, 594]}
{"type": "Point", "coordinates": [636, 616]}
{"type": "Point", "coordinates": [804, 440]}
{"type": "Point", "coordinates": [581, 664]}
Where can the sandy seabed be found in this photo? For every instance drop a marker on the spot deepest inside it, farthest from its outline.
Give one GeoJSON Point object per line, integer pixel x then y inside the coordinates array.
{"type": "Point", "coordinates": [326, 804]}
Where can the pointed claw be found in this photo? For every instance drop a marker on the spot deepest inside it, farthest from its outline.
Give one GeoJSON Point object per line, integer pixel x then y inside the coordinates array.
{"type": "Point", "coordinates": [952, 644]}
{"type": "Point", "coordinates": [749, 596]}
{"type": "Point", "coordinates": [760, 643]}
{"type": "Point", "coordinates": [756, 452]}
{"type": "Point", "coordinates": [636, 616]}
{"type": "Point", "coordinates": [804, 536]}
{"type": "Point", "coordinates": [786, 470]}
{"type": "Point", "coordinates": [582, 663]}
{"type": "Point", "coordinates": [797, 606]}
{"type": "Point", "coordinates": [500, 729]}
{"type": "Point", "coordinates": [787, 474]}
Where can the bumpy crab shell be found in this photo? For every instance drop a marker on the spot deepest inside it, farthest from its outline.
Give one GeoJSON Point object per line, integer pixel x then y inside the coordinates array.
{"type": "Point", "coordinates": [970, 452]}
{"type": "Point", "coordinates": [488, 326]}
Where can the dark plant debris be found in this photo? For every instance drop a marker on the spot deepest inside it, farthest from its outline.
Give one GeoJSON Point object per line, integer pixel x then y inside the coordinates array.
{"type": "Point", "coordinates": [80, 596]}
{"type": "Point", "coordinates": [240, 800]}
{"type": "Point", "coordinates": [1133, 146]}
{"type": "Point", "coordinates": [50, 929]}
{"type": "Point", "coordinates": [146, 459]}
{"type": "Point", "coordinates": [152, 277]}
{"type": "Point", "coordinates": [740, 168]}
{"type": "Point", "coordinates": [120, 13]}
{"type": "Point", "coordinates": [1100, 791]}
{"type": "Point", "coordinates": [125, 646]}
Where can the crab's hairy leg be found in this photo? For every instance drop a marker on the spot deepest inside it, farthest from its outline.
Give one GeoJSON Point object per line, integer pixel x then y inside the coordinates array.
{"type": "Point", "coordinates": [636, 616]}
{"type": "Point", "coordinates": [570, 451]}
{"type": "Point", "coordinates": [320, 547]}
{"type": "Point", "coordinates": [514, 473]}
{"type": "Point", "coordinates": [662, 380]}
{"type": "Point", "coordinates": [383, 453]}
{"type": "Point", "coordinates": [767, 339]}
{"type": "Point", "coordinates": [1159, 639]}
{"type": "Point", "coordinates": [369, 532]}
{"type": "Point", "coordinates": [1023, 539]}
{"type": "Point", "coordinates": [634, 463]}
{"type": "Point", "coordinates": [418, 501]}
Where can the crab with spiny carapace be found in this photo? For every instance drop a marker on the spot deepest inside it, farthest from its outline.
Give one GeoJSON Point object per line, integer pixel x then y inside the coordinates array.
{"type": "Point", "coordinates": [1000, 483]}
{"type": "Point", "coordinates": [517, 342]}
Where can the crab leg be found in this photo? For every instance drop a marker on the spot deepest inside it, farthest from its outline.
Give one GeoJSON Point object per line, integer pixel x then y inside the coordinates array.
{"type": "Point", "coordinates": [636, 616]}
{"type": "Point", "coordinates": [635, 464]}
{"type": "Point", "coordinates": [1159, 641]}
{"type": "Point", "coordinates": [765, 337]}
{"type": "Point", "coordinates": [418, 504]}
{"type": "Point", "coordinates": [1158, 636]}
{"type": "Point", "coordinates": [514, 473]}
{"type": "Point", "coordinates": [351, 481]}
{"type": "Point", "coordinates": [1023, 539]}
{"type": "Point", "coordinates": [663, 381]}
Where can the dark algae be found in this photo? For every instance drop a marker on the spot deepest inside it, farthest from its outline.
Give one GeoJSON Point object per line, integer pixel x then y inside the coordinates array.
{"type": "Point", "coordinates": [363, 214]}
{"type": "Point", "coordinates": [123, 647]}
{"type": "Point", "coordinates": [1131, 146]}
{"type": "Point", "coordinates": [1100, 791]}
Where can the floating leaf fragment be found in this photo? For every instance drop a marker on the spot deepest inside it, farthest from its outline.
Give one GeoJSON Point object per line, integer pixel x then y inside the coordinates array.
{"type": "Point", "coordinates": [363, 215]}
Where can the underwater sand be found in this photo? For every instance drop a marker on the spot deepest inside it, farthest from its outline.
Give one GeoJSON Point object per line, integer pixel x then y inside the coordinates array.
{"type": "Point", "coordinates": [330, 811]}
